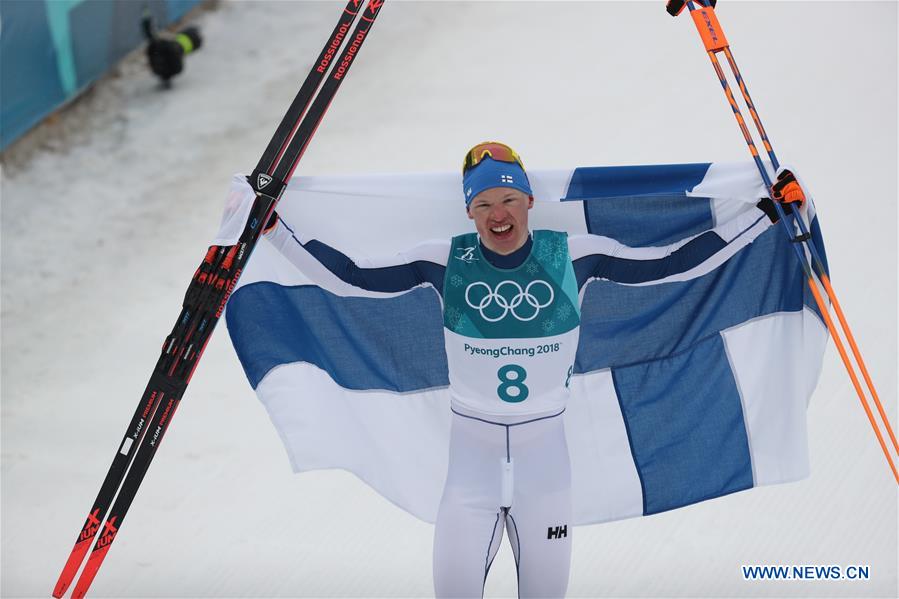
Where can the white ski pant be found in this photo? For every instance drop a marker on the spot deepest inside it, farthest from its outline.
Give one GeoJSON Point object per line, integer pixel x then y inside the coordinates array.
{"type": "Point", "coordinates": [512, 474]}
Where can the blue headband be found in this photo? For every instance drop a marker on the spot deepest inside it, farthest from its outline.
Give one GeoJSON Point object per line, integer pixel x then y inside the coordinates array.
{"type": "Point", "coordinates": [492, 173]}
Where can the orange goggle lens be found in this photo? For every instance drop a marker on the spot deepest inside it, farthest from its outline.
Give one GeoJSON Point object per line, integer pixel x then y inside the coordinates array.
{"type": "Point", "coordinates": [490, 149]}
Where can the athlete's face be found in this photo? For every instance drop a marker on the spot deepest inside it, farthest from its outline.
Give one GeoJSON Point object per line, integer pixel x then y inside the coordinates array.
{"type": "Point", "coordinates": [500, 215]}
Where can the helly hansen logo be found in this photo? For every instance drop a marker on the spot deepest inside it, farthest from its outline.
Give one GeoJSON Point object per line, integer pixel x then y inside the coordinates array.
{"type": "Point", "coordinates": [557, 532]}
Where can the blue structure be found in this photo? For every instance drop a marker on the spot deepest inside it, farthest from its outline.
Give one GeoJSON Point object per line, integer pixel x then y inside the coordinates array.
{"type": "Point", "coordinates": [50, 50]}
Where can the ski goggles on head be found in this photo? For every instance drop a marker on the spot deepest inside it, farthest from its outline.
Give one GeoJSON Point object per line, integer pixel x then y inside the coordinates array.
{"type": "Point", "coordinates": [490, 149]}
{"type": "Point", "coordinates": [492, 164]}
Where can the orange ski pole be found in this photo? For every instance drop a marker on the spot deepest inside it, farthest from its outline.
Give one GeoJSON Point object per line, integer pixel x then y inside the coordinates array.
{"type": "Point", "coordinates": [817, 262]}
{"type": "Point", "coordinates": [714, 41]}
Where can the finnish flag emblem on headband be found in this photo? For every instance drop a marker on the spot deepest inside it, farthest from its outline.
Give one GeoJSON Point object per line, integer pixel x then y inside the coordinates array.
{"type": "Point", "coordinates": [492, 173]}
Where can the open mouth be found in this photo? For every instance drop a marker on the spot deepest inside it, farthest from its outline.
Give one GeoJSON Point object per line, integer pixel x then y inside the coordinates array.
{"type": "Point", "coordinates": [502, 232]}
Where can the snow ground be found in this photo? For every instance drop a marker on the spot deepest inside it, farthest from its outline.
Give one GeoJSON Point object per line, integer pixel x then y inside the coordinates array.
{"type": "Point", "coordinates": [106, 212]}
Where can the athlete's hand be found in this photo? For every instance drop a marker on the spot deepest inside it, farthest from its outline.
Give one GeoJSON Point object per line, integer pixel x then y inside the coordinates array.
{"type": "Point", "coordinates": [272, 221]}
{"type": "Point", "coordinates": [786, 189]}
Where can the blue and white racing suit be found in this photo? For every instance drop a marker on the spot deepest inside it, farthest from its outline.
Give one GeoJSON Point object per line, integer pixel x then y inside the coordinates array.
{"type": "Point", "coordinates": [511, 336]}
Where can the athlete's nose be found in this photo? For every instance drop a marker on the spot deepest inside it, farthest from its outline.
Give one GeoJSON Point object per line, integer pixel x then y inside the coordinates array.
{"type": "Point", "coordinates": [498, 213]}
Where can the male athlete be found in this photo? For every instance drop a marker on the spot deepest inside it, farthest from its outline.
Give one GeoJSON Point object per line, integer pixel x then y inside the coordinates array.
{"type": "Point", "coordinates": [511, 317]}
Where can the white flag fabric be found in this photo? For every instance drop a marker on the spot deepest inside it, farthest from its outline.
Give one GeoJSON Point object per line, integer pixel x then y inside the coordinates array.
{"type": "Point", "coordinates": [686, 387]}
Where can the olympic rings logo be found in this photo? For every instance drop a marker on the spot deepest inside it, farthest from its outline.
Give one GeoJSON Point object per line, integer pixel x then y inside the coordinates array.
{"type": "Point", "coordinates": [508, 305]}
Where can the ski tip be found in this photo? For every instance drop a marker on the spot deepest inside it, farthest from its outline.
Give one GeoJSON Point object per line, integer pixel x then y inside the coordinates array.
{"type": "Point", "coordinates": [62, 585]}
{"type": "Point", "coordinates": [75, 559]}
{"type": "Point", "coordinates": [90, 571]}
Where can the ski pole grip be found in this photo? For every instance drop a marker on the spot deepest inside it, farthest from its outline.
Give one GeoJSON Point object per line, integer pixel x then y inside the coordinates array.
{"type": "Point", "coordinates": [709, 29]}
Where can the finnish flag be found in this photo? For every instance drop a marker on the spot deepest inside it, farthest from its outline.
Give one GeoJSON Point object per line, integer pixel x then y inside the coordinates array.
{"type": "Point", "coordinates": [685, 387]}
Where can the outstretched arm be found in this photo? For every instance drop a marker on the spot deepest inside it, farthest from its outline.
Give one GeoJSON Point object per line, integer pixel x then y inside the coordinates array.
{"type": "Point", "coordinates": [336, 272]}
{"type": "Point", "coordinates": [597, 257]}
